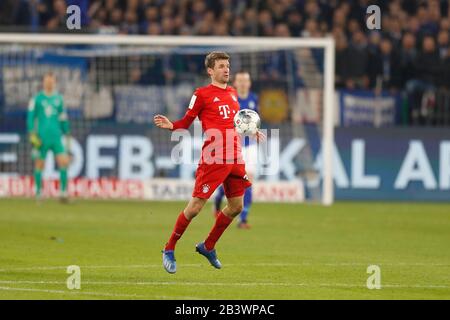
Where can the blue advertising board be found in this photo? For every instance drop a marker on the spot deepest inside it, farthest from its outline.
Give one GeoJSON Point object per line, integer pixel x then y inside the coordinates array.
{"type": "Point", "coordinates": [392, 164]}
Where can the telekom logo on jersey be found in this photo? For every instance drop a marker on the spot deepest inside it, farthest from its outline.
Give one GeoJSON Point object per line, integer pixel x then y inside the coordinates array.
{"type": "Point", "coordinates": [224, 110]}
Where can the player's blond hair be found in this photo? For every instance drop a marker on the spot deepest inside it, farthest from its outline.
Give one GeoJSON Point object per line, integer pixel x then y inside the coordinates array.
{"type": "Point", "coordinates": [212, 57]}
{"type": "Point", "coordinates": [49, 74]}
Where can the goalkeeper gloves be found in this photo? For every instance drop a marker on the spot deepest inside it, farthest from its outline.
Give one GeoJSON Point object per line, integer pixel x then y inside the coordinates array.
{"type": "Point", "coordinates": [35, 141]}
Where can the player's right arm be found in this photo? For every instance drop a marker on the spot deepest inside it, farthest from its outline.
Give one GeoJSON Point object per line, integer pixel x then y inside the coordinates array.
{"type": "Point", "coordinates": [31, 127]}
{"type": "Point", "coordinates": [162, 122]}
{"type": "Point", "coordinates": [194, 108]}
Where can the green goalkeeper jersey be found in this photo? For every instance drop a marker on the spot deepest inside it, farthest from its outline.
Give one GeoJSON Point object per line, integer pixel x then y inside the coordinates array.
{"type": "Point", "coordinates": [47, 117]}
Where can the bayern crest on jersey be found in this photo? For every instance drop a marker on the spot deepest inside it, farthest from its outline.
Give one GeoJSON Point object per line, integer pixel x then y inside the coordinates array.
{"type": "Point", "coordinates": [234, 97]}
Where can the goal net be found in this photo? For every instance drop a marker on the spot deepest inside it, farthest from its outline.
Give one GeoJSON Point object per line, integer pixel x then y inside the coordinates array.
{"type": "Point", "coordinates": [114, 85]}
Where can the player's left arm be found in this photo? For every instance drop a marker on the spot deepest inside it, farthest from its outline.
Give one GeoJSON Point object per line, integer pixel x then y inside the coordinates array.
{"type": "Point", "coordinates": [64, 122]}
{"type": "Point", "coordinates": [31, 126]}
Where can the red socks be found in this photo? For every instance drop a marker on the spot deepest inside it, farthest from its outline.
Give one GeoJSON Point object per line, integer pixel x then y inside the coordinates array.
{"type": "Point", "coordinates": [222, 222]}
{"type": "Point", "coordinates": [180, 226]}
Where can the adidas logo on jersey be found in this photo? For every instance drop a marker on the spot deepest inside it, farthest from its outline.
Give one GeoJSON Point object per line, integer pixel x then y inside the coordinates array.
{"type": "Point", "coordinates": [216, 99]}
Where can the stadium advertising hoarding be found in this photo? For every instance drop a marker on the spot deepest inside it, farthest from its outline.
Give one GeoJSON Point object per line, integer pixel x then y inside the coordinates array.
{"type": "Point", "coordinates": [387, 164]}
{"type": "Point", "coordinates": [393, 164]}
{"type": "Point", "coordinates": [161, 189]}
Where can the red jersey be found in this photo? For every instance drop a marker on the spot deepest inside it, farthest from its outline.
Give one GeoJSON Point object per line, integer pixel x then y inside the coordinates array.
{"type": "Point", "coordinates": [215, 107]}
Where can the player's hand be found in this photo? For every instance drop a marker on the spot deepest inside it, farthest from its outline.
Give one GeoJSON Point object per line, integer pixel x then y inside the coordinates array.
{"type": "Point", "coordinates": [68, 140]}
{"type": "Point", "coordinates": [162, 122]}
{"type": "Point", "coordinates": [35, 141]}
{"type": "Point", "coordinates": [260, 136]}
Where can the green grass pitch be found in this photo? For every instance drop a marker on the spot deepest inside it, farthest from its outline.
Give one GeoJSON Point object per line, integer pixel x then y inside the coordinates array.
{"type": "Point", "coordinates": [292, 252]}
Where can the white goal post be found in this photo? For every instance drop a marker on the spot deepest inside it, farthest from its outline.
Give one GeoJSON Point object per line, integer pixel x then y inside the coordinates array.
{"type": "Point", "coordinates": [327, 44]}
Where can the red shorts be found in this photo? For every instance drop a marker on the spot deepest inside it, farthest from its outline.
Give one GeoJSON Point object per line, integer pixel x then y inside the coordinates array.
{"type": "Point", "coordinates": [210, 176]}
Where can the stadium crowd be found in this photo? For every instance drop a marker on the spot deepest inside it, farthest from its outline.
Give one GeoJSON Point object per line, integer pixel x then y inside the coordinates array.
{"type": "Point", "coordinates": [409, 53]}
{"type": "Point", "coordinates": [412, 43]}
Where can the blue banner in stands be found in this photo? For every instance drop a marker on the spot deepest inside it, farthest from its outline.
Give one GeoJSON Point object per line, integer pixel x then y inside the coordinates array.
{"type": "Point", "coordinates": [138, 104]}
{"type": "Point", "coordinates": [21, 78]}
{"type": "Point", "coordinates": [365, 108]}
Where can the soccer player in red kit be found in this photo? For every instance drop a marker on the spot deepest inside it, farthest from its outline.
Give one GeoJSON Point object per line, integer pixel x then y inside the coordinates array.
{"type": "Point", "coordinates": [221, 161]}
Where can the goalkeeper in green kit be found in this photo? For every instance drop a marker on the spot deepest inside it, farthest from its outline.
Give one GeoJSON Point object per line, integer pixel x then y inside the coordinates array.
{"type": "Point", "coordinates": [47, 123]}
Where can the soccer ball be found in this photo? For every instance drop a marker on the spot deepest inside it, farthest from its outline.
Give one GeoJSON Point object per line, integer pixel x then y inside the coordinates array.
{"type": "Point", "coordinates": [247, 122]}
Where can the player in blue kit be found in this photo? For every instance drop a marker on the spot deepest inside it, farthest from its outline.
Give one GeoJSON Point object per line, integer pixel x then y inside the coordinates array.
{"type": "Point", "coordinates": [247, 100]}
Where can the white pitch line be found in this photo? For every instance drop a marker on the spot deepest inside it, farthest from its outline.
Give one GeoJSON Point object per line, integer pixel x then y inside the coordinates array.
{"type": "Point", "coordinates": [180, 297]}
{"type": "Point", "coordinates": [233, 284]}
{"type": "Point", "coordinates": [341, 264]}
{"type": "Point", "coordinates": [138, 266]}
{"type": "Point", "coordinates": [101, 294]}
{"type": "Point", "coordinates": [143, 266]}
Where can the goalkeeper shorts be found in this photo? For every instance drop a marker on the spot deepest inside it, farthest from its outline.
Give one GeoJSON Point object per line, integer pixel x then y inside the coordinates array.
{"type": "Point", "coordinates": [56, 146]}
